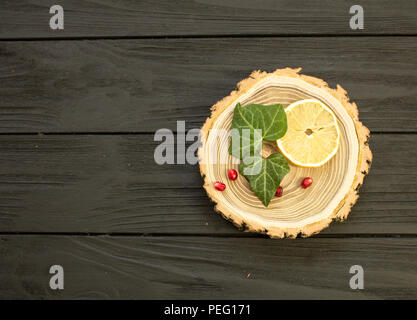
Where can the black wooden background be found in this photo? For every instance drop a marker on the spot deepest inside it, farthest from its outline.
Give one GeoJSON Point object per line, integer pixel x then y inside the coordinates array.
{"type": "Point", "coordinates": [79, 186]}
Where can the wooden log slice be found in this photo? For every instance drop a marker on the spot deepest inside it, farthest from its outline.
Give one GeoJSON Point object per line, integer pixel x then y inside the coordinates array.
{"type": "Point", "coordinates": [298, 211]}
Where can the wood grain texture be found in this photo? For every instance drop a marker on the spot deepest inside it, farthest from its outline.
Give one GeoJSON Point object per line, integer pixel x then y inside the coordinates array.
{"type": "Point", "coordinates": [144, 85]}
{"type": "Point", "coordinates": [207, 268]}
{"type": "Point", "coordinates": [104, 18]}
{"type": "Point", "coordinates": [110, 184]}
{"type": "Point", "coordinates": [296, 212]}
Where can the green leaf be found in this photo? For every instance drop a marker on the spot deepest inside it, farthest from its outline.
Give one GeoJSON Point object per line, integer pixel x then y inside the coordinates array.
{"type": "Point", "coordinates": [254, 123]}
{"type": "Point", "coordinates": [250, 126]}
{"type": "Point", "coordinates": [264, 175]}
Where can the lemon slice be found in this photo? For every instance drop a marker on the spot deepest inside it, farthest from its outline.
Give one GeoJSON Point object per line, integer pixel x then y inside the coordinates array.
{"type": "Point", "coordinates": [313, 135]}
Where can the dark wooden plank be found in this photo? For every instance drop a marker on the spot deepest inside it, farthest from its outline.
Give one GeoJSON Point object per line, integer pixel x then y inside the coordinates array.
{"type": "Point", "coordinates": [207, 268]}
{"type": "Point", "coordinates": [111, 184]}
{"type": "Point", "coordinates": [104, 18]}
{"type": "Point", "coordinates": [144, 85]}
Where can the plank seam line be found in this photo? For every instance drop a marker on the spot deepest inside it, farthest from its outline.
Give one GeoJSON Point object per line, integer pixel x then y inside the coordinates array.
{"type": "Point", "coordinates": [111, 133]}
{"type": "Point", "coordinates": [80, 133]}
{"type": "Point", "coordinates": [209, 36]}
{"type": "Point", "coordinates": [220, 235]}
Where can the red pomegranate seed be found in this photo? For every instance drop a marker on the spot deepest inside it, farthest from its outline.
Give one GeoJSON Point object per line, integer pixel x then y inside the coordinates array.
{"type": "Point", "coordinates": [219, 186]}
{"type": "Point", "coordinates": [232, 174]}
{"type": "Point", "coordinates": [279, 192]}
{"type": "Point", "coordinates": [307, 182]}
